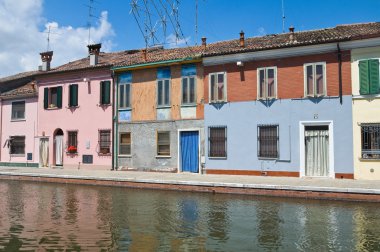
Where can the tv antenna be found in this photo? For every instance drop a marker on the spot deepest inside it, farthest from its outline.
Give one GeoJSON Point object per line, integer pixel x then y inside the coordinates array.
{"type": "Point", "coordinates": [90, 7]}
{"type": "Point", "coordinates": [283, 16]}
{"type": "Point", "coordinates": [49, 33]}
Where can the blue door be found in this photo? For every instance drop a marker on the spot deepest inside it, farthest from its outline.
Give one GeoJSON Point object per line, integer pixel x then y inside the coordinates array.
{"type": "Point", "coordinates": [189, 151]}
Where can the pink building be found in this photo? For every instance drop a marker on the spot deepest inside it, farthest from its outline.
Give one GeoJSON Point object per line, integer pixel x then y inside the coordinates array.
{"type": "Point", "coordinates": [75, 112]}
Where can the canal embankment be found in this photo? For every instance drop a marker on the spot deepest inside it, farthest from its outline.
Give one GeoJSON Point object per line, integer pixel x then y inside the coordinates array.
{"type": "Point", "coordinates": [313, 188]}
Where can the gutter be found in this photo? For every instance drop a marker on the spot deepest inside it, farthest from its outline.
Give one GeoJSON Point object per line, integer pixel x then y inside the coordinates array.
{"type": "Point", "coordinates": [158, 63]}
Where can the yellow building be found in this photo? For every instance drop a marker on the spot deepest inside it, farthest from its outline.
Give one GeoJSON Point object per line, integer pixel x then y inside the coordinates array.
{"type": "Point", "coordinates": [366, 112]}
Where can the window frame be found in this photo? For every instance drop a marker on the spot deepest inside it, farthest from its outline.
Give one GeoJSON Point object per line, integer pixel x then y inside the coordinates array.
{"type": "Point", "coordinates": [124, 86]}
{"type": "Point", "coordinates": [12, 111]}
{"type": "Point", "coordinates": [101, 143]}
{"type": "Point", "coordinates": [163, 93]}
{"type": "Point", "coordinates": [314, 64]}
{"type": "Point", "coordinates": [259, 141]}
{"type": "Point", "coordinates": [210, 154]}
{"type": "Point", "coordinates": [70, 94]}
{"type": "Point", "coordinates": [120, 144]}
{"type": "Point", "coordinates": [369, 151]}
{"type": "Point", "coordinates": [158, 154]}
{"type": "Point", "coordinates": [47, 101]}
{"type": "Point", "coordinates": [188, 102]}
{"type": "Point", "coordinates": [12, 138]}
{"type": "Point", "coordinates": [224, 87]}
{"type": "Point", "coordinates": [69, 139]}
{"type": "Point", "coordinates": [266, 69]}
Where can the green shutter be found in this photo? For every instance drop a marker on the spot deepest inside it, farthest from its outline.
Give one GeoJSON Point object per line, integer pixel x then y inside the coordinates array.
{"type": "Point", "coordinates": [59, 97]}
{"type": "Point", "coordinates": [363, 77]}
{"type": "Point", "coordinates": [374, 76]}
{"type": "Point", "coordinates": [74, 95]}
{"type": "Point", "coordinates": [105, 88]}
{"type": "Point", "coordinates": [46, 98]}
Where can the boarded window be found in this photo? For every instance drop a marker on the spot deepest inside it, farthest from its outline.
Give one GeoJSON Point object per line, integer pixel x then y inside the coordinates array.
{"type": "Point", "coordinates": [267, 141]}
{"type": "Point", "coordinates": [125, 143]}
{"type": "Point", "coordinates": [163, 143]}
{"type": "Point", "coordinates": [18, 110]}
{"type": "Point", "coordinates": [217, 142]}
{"type": "Point", "coordinates": [104, 141]}
{"type": "Point", "coordinates": [370, 141]}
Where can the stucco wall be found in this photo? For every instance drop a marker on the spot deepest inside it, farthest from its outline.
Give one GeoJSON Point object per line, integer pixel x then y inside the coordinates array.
{"type": "Point", "coordinates": [27, 128]}
{"type": "Point", "coordinates": [366, 109]}
{"type": "Point", "coordinates": [88, 118]}
{"type": "Point", "coordinates": [144, 145]}
{"type": "Point", "coordinates": [242, 118]}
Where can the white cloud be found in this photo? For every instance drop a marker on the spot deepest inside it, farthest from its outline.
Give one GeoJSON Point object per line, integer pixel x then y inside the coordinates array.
{"type": "Point", "coordinates": [173, 42]}
{"type": "Point", "coordinates": [21, 41]}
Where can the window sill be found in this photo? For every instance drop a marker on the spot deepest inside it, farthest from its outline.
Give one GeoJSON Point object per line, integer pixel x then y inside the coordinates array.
{"type": "Point", "coordinates": [17, 155]}
{"type": "Point", "coordinates": [215, 158]}
{"type": "Point", "coordinates": [188, 105]}
{"type": "Point", "coordinates": [18, 120]}
{"type": "Point", "coordinates": [369, 159]}
{"type": "Point", "coordinates": [365, 96]}
{"type": "Point", "coordinates": [266, 98]}
{"type": "Point", "coordinates": [72, 107]}
{"type": "Point", "coordinates": [267, 158]}
{"type": "Point", "coordinates": [164, 107]}
{"type": "Point", "coordinates": [159, 156]}
{"type": "Point", "coordinates": [72, 153]}
{"type": "Point", "coordinates": [104, 105]}
{"type": "Point", "coordinates": [217, 102]}
{"type": "Point", "coordinates": [104, 154]}
{"type": "Point", "coordinates": [52, 108]}
{"type": "Point", "coordinates": [124, 156]}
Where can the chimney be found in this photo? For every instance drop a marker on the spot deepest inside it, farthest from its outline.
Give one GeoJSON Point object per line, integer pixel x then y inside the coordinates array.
{"type": "Point", "coordinates": [291, 30]}
{"type": "Point", "coordinates": [242, 44]}
{"type": "Point", "coordinates": [46, 59]}
{"type": "Point", "coordinates": [204, 43]}
{"type": "Point", "coordinates": [94, 51]}
{"type": "Point", "coordinates": [143, 54]}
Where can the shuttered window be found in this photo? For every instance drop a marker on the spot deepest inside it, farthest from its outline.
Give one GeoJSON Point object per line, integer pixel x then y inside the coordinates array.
{"type": "Point", "coordinates": [369, 76]}
{"type": "Point", "coordinates": [105, 92]}
{"type": "Point", "coordinates": [217, 142]}
{"type": "Point", "coordinates": [125, 143]}
{"type": "Point", "coordinates": [163, 143]}
{"type": "Point", "coordinates": [73, 95]}
{"type": "Point", "coordinates": [53, 97]}
{"type": "Point", "coordinates": [267, 141]}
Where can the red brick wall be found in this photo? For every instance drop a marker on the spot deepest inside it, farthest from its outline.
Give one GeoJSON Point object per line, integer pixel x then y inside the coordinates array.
{"type": "Point", "coordinates": [242, 81]}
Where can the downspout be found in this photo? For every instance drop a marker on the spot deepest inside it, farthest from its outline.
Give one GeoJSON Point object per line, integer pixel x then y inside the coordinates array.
{"type": "Point", "coordinates": [1, 124]}
{"type": "Point", "coordinates": [113, 120]}
{"type": "Point", "coordinates": [340, 73]}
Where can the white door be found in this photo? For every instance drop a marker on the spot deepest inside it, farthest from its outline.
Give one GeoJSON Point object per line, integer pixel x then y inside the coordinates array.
{"type": "Point", "coordinates": [44, 152]}
{"type": "Point", "coordinates": [317, 151]}
{"type": "Point", "coordinates": [58, 150]}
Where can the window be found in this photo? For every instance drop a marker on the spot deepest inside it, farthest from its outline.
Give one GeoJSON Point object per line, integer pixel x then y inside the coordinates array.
{"type": "Point", "coordinates": [105, 141]}
{"type": "Point", "coordinates": [163, 143]}
{"type": "Point", "coordinates": [369, 76]}
{"type": "Point", "coordinates": [218, 89]}
{"type": "Point", "coordinates": [105, 92]}
{"type": "Point", "coordinates": [124, 95]}
{"type": "Point", "coordinates": [371, 141]}
{"type": "Point", "coordinates": [315, 79]}
{"type": "Point", "coordinates": [267, 141]}
{"type": "Point", "coordinates": [73, 95]}
{"type": "Point", "coordinates": [188, 90]}
{"type": "Point", "coordinates": [53, 97]}
{"type": "Point", "coordinates": [267, 80]}
{"type": "Point", "coordinates": [217, 142]}
{"type": "Point", "coordinates": [17, 145]}
{"type": "Point", "coordinates": [18, 110]}
{"type": "Point", "coordinates": [125, 143]}
{"type": "Point", "coordinates": [72, 143]}
{"type": "Point", "coordinates": [163, 93]}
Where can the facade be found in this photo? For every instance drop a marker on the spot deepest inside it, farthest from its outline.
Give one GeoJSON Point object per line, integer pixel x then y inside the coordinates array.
{"type": "Point", "coordinates": [160, 112]}
{"type": "Point", "coordinates": [75, 114]}
{"type": "Point", "coordinates": [366, 110]}
{"type": "Point", "coordinates": [19, 126]}
{"type": "Point", "coordinates": [281, 105]}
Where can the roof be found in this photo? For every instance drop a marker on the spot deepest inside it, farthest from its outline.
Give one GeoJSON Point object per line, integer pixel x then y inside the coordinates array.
{"type": "Point", "coordinates": [27, 90]}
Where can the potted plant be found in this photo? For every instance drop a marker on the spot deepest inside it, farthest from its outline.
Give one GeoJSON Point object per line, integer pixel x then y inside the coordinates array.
{"type": "Point", "coordinates": [72, 149]}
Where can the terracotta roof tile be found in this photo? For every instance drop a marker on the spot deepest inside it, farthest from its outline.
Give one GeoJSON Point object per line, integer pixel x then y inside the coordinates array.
{"type": "Point", "coordinates": [26, 90]}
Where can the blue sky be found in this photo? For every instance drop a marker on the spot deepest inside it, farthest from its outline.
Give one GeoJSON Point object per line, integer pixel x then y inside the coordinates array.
{"type": "Point", "coordinates": [24, 24]}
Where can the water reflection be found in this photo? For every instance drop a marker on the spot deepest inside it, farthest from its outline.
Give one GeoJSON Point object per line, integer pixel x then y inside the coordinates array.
{"type": "Point", "coordinates": [40, 217]}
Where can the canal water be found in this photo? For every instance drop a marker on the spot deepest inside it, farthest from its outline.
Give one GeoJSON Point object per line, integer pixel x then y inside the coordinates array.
{"type": "Point", "coordinates": [58, 217]}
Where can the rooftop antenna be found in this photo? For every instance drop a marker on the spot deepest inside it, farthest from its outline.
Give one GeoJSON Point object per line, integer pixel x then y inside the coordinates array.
{"type": "Point", "coordinates": [48, 40]}
{"type": "Point", "coordinates": [196, 22]}
{"type": "Point", "coordinates": [283, 16]}
{"type": "Point", "coordinates": [90, 15]}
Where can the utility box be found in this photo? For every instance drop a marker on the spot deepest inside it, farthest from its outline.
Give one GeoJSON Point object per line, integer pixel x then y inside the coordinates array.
{"type": "Point", "coordinates": [87, 159]}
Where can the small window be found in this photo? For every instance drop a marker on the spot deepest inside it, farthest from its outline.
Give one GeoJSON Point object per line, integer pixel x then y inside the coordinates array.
{"type": "Point", "coordinates": [72, 141]}
{"type": "Point", "coordinates": [267, 141]}
{"type": "Point", "coordinates": [105, 141]}
{"type": "Point", "coordinates": [53, 97]}
{"type": "Point", "coordinates": [18, 110]}
{"type": "Point", "coordinates": [370, 141]}
{"type": "Point", "coordinates": [267, 82]}
{"type": "Point", "coordinates": [163, 143]}
{"type": "Point", "coordinates": [105, 92]}
{"type": "Point", "coordinates": [218, 87]}
{"type": "Point", "coordinates": [73, 95]}
{"type": "Point", "coordinates": [315, 79]}
{"type": "Point", "coordinates": [125, 143]}
{"type": "Point", "coordinates": [17, 145]}
{"type": "Point", "coordinates": [369, 77]}
{"type": "Point", "coordinates": [163, 93]}
{"type": "Point", "coordinates": [217, 142]}
{"type": "Point", "coordinates": [125, 95]}
{"type": "Point", "coordinates": [188, 90]}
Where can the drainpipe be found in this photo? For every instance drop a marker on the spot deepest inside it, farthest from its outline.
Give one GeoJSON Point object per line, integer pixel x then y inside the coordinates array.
{"type": "Point", "coordinates": [113, 120]}
{"type": "Point", "coordinates": [1, 124]}
{"type": "Point", "coordinates": [340, 73]}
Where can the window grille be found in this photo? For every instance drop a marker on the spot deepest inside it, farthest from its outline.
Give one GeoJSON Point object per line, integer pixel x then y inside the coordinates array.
{"type": "Point", "coordinates": [370, 141]}
{"type": "Point", "coordinates": [267, 141]}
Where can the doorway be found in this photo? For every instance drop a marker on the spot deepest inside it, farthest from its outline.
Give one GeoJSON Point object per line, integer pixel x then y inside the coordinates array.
{"type": "Point", "coordinates": [189, 151]}
{"type": "Point", "coordinates": [44, 152]}
{"type": "Point", "coordinates": [58, 147]}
